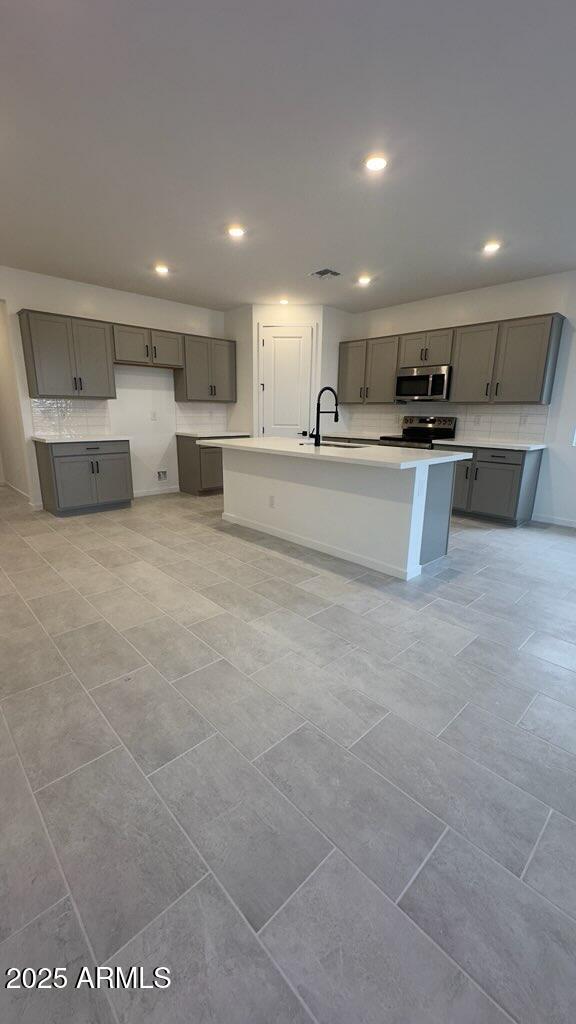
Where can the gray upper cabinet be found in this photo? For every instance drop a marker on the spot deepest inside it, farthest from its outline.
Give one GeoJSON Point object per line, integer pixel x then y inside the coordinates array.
{"type": "Point", "coordinates": [67, 357]}
{"type": "Point", "coordinates": [351, 371]}
{"type": "Point", "coordinates": [426, 347]}
{"type": "Point", "coordinates": [132, 345]}
{"type": "Point", "coordinates": [381, 361]}
{"type": "Point", "coordinates": [209, 373]}
{"type": "Point", "coordinates": [192, 384]}
{"type": "Point", "coordinates": [49, 355]}
{"type": "Point", "coordinates": [167, 348]}
{"type": "Point", "coordinates": [526, 359]}
{"type": "Point", "coordinates": [93, 345]}
{"type": "Point", "coordinates": [412, 349]}
{"type": "Point", "coordinates": [223, 370]}
{"type": "Point", "coordinates": [473, 363]}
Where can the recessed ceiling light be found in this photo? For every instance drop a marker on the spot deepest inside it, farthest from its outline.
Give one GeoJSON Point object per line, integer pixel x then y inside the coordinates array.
{"type": "Point", "coordinates": [236, 231]}
{"type": "Point", "coordinates": [283, 302]}
{"type": "Point", "coordinates": [364, 280]}
{"type": "Point", "coordinates": [161, 269]}
{"type": "Point", "coordinates": [375, 162]}
{"type": "Point", "coordinates": [491, 247]}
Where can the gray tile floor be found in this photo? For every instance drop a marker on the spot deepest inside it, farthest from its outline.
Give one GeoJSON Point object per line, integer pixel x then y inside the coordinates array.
{"type": "Point", "coordinates": [315, 793]}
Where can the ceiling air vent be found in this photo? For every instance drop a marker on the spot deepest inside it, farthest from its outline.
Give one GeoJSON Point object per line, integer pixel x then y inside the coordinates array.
{"type": "Point", "coordinates": [325, 273]}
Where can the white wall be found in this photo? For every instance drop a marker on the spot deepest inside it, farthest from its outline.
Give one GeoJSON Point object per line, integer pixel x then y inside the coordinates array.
{"type": "Point", "coordinates": [238, 324]}
{"type": "Point", "coordinates": [142, 393]}
{"type": "Point", "coordinates": [12, 442]}
{"type": "Point", "coordinates": [556, 497]}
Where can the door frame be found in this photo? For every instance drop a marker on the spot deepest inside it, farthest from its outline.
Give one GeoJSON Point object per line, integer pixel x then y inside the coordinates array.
{"type": "Point", "coordinates": [314, 327]}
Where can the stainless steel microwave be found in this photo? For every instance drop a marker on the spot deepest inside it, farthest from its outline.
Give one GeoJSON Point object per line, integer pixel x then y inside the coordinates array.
{"type": "Point", "coordinates": [423, 384]}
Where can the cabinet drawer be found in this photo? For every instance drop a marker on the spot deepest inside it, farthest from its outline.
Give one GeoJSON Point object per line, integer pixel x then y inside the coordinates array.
{"type": "Point", "coordinates": [504, 455]}
{"type": "Point", "coordinates": [91, 447]}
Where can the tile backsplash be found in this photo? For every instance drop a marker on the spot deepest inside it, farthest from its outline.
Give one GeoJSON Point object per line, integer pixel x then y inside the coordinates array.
{"type": "Point", "coordinates": [70, 416]}
{"type": "Point", "coordinates": [503, 422]}
{"type": "Point", "coordinates": [201, 416]}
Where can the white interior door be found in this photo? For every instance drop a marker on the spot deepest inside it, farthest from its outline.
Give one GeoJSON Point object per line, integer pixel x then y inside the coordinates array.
{"type": "Point", "coordinates": [285, 379]}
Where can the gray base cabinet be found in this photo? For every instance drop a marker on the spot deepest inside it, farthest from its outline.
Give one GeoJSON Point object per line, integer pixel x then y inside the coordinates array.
{"type": "Point", "coordinates": [199, 467]}
{"type": "Point", "coordinates": [67, 357]}
{"type": "Point", "coordinates": [84, 477]}
{"type": "Point", "coordinates": [496, 483]}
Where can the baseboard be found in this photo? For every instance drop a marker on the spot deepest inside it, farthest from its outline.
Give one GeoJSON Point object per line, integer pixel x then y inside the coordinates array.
{"type": "Point", "coordinates": [555, 521]}
{"type": "Point", "coordinates": [164, 490]}
{"type": "Point", "coordinates": [327, 549]}
{"type": "Point", "coordinates": [35, 506]}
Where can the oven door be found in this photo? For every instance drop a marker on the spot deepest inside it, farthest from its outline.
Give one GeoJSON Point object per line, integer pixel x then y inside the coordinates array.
{"type": "Point", "coordinates": [423, 384]}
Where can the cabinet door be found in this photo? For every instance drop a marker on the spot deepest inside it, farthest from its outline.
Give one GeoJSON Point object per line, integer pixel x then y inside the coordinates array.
{"type": "Point", "coordinates": [53, 355]}
{"type": "Point", "coordinates": [381, 362]}
{"type": "Point", "coordinates": [132, 345]}
{"type": "Point", "coordinates": [521, 359]}
{"type": "Point", "coordinates": [223, 370]}
{"type": "Point", "coordinates": [438, 347]}
{"type": "Point", "coordinates": [211, 468]}
{"type": "Point", "coordinates": [75, 481]}
{"type": "Point", "coordinates": [351, 369]}
{"type": "Point", "coordinates": [495, 489]}
{"type": "Point", "coordinates": [196, 369]}
{"type": "Point", "coordinates": [412, 348]}
{"type": "Point", "coordinates": [474, 351]}
{"type": "Point", "coordinates": [94, 366]}
{"type": "Point", "coordinates": [113, 478]}
{"type": "Point", "coordinates": [167, 348]}
{"type": "Point", "coordinates": [461, 486]}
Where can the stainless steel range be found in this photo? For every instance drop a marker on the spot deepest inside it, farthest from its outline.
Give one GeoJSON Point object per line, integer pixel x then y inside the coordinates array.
{"type": "Point", "coordinates": [421, 431]}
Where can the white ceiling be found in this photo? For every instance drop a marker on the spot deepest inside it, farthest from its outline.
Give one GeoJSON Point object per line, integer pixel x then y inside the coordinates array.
{"type": "Point", "coordinates": [132, 132]}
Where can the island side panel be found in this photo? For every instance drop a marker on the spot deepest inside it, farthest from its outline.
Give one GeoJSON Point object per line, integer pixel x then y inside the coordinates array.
{"type": "Point", "coordinates": [437, 512]}
{"type": "Point", "coordinates": [369, 515]}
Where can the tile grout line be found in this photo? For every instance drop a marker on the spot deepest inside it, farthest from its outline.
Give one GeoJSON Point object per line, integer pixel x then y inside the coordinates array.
{"type": "Point", "coordinates": [300, 886]}
{"type": "Point", "coordinates": [58, 862]}
{"type": "Point", "coordinates": [428, 937]}
{"type": "Point", "coordinates": [84, 764]}
{"type": "Point", "coordinates": [420, 866]}
{"type": "Point", "coordinates": [534, 848]}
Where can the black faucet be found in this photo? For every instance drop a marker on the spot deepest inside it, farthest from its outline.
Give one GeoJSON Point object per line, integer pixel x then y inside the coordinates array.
{"type": "Point", "coordinates": [320, 412]}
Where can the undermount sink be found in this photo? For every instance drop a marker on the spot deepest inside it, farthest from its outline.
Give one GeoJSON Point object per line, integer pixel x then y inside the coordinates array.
{"type": "Point", "coordinates": [333, 444]}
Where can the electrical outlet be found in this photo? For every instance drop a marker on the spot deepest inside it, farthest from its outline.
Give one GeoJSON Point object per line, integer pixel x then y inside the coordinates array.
{"type": "Point", "coordinates": [271, 501]}
{"type": "Point", "coordinates": [154, 416]}
{"type": "Point", "coordinates": [162, 474]}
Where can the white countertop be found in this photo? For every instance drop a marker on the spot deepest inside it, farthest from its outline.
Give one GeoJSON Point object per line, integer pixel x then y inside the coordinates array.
{"type": "Point", "coordinates": [212, 433]}
{"type": "Point", "coordinates": [77, 438]}
{"type": "Point", "coordinates": [490, 442]}
{"type": "Point", "coordinates": [371, 455]}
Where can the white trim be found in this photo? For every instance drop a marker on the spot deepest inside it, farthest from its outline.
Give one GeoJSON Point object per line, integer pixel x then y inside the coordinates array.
{"type": "Point", "coordinates": [163, 490]}
{"type": "Point", "coordinates": [555, 521]}
{"type": "Point", "coordinates": [328, 549]}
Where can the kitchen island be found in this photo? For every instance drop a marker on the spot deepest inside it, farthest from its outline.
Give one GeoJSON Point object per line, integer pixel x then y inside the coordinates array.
{"type": "Point", "coordinates": [384, 508]}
